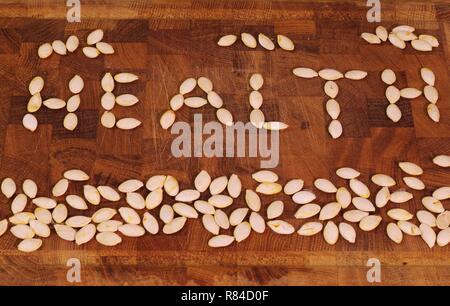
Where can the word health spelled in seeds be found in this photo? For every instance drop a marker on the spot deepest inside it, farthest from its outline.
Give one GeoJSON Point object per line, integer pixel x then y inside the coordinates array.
{"type": "Point", "coordinates": [35, 216]}
{"type": "Point", "coordinates": [401, 35]}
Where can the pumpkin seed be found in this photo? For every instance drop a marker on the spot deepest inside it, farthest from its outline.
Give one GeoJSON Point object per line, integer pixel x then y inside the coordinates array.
{"type": "Point", "coordinates": [59, 47]}
{"type": "Point", "coordinates": [382, 33]}
{"type": "Point", "coordinates": [330, 74]}
{"type": "Point", "coordinates": [426, 217]}
{"type": "Point", "coordinates": [248, 40]}
{"type": "Point", "coordinates": [388, 77]}
{"type": "Point", "coordinates": [76, 84]}
{"type": "Point", "coordinates": [285, 43]}
{"type": "Point", "coordinates": [104, 48]}
{"type": "Point", "coordinates": [29, 245]}
{"type": "Point", "coordinates": [331, 233]}
{"type": "Point", "coordinates": [76, 175]}
{"type": "Point", "coordinates": [335, 129]}
{"type": "Point", "coordinates": [325, 185]}
{"type": "Point", "coordinates": [205, 84]}
{"type": "Point", "coordinates": [167, 119]}
{"type": "Point", "coordinates": [256, 81]}
{"type": "Point", "coordinates": [214, 99]}
{"type": "Point", "coordinates": [363, 204]}
{"type": "Point", "coordinates": [329, 211]}
{"type": "Point", "coordinates": [128, 123]}
{"type": "Point", "coordinates": [129, 215]}
{"type": "Point", "coordinates": [108, 120]}
{"type": "Point", "coordinates": [108, 193]}
{"type": "Point", "coordinates": [22, 218]}
{"type": "Point", "coordinates": [443, 238]}
{"type": "Point", "coordinates": [442, 193]}
{"type": "Point", "coordinates": [431, 94]}
{"type": "Point", "coordinates": [400, 196]}
{"type": "Point", "coordinates": [399, 214]}
{"type": "Point", "coordinates": [131, 185]}
{"type": "Point", "coordinates": [125, 77]}
{"type": "Point", "coordinates": [36, 85]}
{"type": "Point", "coordinates": [202, 181]}
{"type": "Point", "coordinates": [428, 235]}
{"type": "Point", "coordinates": [44, 202]}
{"type": "Point", "coordinates": [257, 118]}
{"type": "Point", "coordinates": [275, 126]}
{"type": "Point", "coordinates": [3, 226]}
{"type": "Point", "coordinates": [355, 75]}
{"type": "Point", "coordinates": [108, 239]}
{"type": "Point", "coordinates": [343, 197]}
{"type": "Point", "coordinates": [307, 211]}
{"type": "Point", "coordinates": [394, 233]}
{"type": "Point", "coordinates": [185, 210]}
{"type": "Point", "coordinates": [43, 215]}
{"type": "Point", "coordinates": [303, 197]}
{"type": "Point", "coordinates": [90, 52]}
{"type": "Point", "coordinates": [218, 185]}
{"type": "Point", "coordinates": [166, 213]}
{"type": "Point", "coordinates": [269, 188]}
{"type": "Point", "coordinates": [73, 103]}
{"type": "Point", "coordinates": [19, 203]}
{"type": "Point", "coordinates": [370, 223]}
{"type": "Point", "coordinates": [171, 186]}
{"type": "Point", "coordinates": [45, 50]}
{"type": "Point", "coordinates": [175, 226]}
{"type": "Point", "coordinates": [108, 82]}
{"type": "Point", "coordinates": [257, 223]}
{"type": "Point", "coordinates": [371, 38]}
{"type": "Point", "coordinates": [293, 186]}
{"type": "Point", "coordinates": [35, 103]}
{"type": "Point", "coordinates": [127, 100]}
{"type": "Point", "coordinates": [393, 112]}
{"type": "Point", "coordinates": [238, 215]}
{"type": "Point", "coordinates": [132, 230]}
{"type": "Point", "coordinates": [54, 103]}
{"type": "Point", "coordinates": [78, 221]}
{"type": "Point", "coordinates": [188, 86]}
{"type": "Point", "coordinates": [266, 42]}
{"type": "Point", "coordinates": [410, 93]}
{"type": "Point", "coordinates": [95, 37]}
{"type": "Point", "coordinates": [220, 201]}
{"type": "Point", "coordinates": [403, 28]}
{"type": "Point", "coordinates": [414, 183]}
{"type": "Point", "coordinates": [275, 209]}
{"type": "Point", "coordinates": [433, 112]}
{"type": "Point", "coordinates": [382, 197]}
{"type": "Point", "coordinates": [306, 73]}
{"type": "Point", "coordinates": [242, 231]}
{"type": "Point", "coordinates": [221, 219]}
{"type": "Point", "coordinates": [331, 89]}
{"type": "Point", "coordinates": [396, 41]}
{"type": "Point", "coordinates": [103, 215]}
{"type": "Point", "coordinates": [359, 188]}
{"type": "Point", "coordinates": [204, 207]}
{"type": "Point", "coordinates": [406, 35]}
{"type": "Point", "coordinates": [409, 228]}
{"type": "Point", "coordinates": [347, 173]}
{"type": "Point", "coordinates": [393, 95]}
{"type": "Point", "coordinates": [72, 43]}
{"type": "Point", "coordinates": [40, 229]}
{"type": "Point", "coordinates": [22, 231]}
{"type": "Point", "coordinates": [150, 223]}
{"type": "Point", "coordinates": [188, 195]}
{"type": "Point", "coordinates": [154, 199]}
{"type": "Point", "coordinates": [156, 182]}
{"type": "Point", "coordinates": [76, 202]}
{"type": "Point", "coordinates": [227, 40]}
{"type": "Point", "coordinates": [333, 109]}
{"type": "Point", "coordinates": [195, 102]}
{"type": "Point", "coordinates": [383, 180]}
{"type": "Point", "coordinates": [281, 227]}
{"type": "Point", "coordinates": [210, 225]}
{"type": "Point", "coordinates": [224, 116]}
{"type": "Point", "coordinates": [433, 41]}
{"type": "Point", "coordinates": [220, 241]}
{"type": "Point", "coordinates": [347, 232]}
{"type": "Point", "coordinates": [310, 229]}
{"type": "Point", "coordinates": [421, 45]}
{"type": "Point", "coordinates": [410, 168]}
{"type": "Point", "coordinates": [428, 76]}
{"type": "Point", "coordinates": [91, 194]}
{"type": "Point", "coordinates": [355, 215]}
{"type": "Point", "coordinates": [177, 102]}
{"type": "Point", "coordinates": [433, 205]}
{"type": "Point", "coordinates": [70, 121]}
{"type": "Point", "coordinates": [109, 226]}
{"type": "Point", "coordinates": [60, 213]}
{"type": "Point", "coordinates": [234, 186]}
{"type": "Point", "coordinates": [255, 99]}
{"type": "Point", "coordinates": [443, 220]}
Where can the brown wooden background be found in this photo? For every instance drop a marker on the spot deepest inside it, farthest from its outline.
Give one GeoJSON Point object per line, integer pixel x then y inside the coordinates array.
{"type": "Point", "coordinates": [166, 43]}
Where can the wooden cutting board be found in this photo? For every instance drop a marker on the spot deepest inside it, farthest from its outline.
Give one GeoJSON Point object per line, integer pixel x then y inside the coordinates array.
{"type": "Point", "coordinates": [167, 43]}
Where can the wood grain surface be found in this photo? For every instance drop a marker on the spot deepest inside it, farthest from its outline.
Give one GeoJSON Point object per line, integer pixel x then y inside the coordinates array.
{"type": "Point", "coordinates": [166, 42]}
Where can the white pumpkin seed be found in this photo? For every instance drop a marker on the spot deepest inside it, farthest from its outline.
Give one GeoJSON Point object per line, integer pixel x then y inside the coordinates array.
{"type": "Point", "coordinates": [359, 188]}
{"type": "Point", "coordinates": [433, 41]}
{"type": "Point", "coordinates": [356, 75]}
{"type": "Point", "coordinates": [248, 40]}
{"type": "Point", "coordinates": [171, 186]}
{"type": "Point", "coordinates": [128, 123]}
{"type": "Point", "coordinates": [275, 209]}
{"type": "Point", "coordinates": [72, 43]}
{"type": "Point", "coordinates": [383, 180]}
{"type": "Point", "coordinates": [205, 84]}
{"type": "Point", "coordinates": [275, 126]}
{"type": "Point", "coordinates": [428, 76]}
{"type": "Point", "coordinates": [127, 100]}
{"type": "Point", "coordinates": [331, 233]}
{"type": "Point", "coordinates": [108, 120]}
{"type": "Point", "coordinates": [431, 94]}
{"type": "Point", "coordinates": [410, 168]}
{"type": "Point", "coordinates": [355, 216]}
{"type": "Point", "coordinates": [166, 213]}
{"type": "Point", "coordinates": [185, 210]}
{"type": "Point", "coordinates": [234, 186]}
{"type": "Point", "coordinates": [195, 102]}
{"type": "Point", "coordinates": [91, 52]}
{"type": "Point", "coordinates": [108, 193]}
{"type": "Point", "coordinates": [29, 245]}
{"type": "Point", "coordinates": [188, 86]}
{"type": "Point", "coordinates": [433, 112]}
{"type": "Point", "coordinates": [396, 41]}
{"type": "Point", "coordinates": [269, 188]}
{"type": "Point", "coordinates": [78, 221]}
{"type": "Point", "coordinates": [403, 28]}
{"type": "Point", "coordinates": [256, 81]}
{"type": "Point", "coordinates": [150, 223]}
{"type": "Point", "coordinates": [382, 33]}
{"type": "Point", "coordinates": [218, 185]}
{"type": "Point", "coordinates": [406, 35]}
{"type": "Point", "coordinates": [22, 218]}
{"type": "Point", "coordinates": [76, 175]}
{"type": "Point", "coordinates": [333, 109]}
{"type": "Point", "coordinates": [400, 196]}
{"type": "Point", "coordinates": [45, 50]}
{"type": "Point", "coordinates": [400, 214]}
{"type": "Point", "coordinates": [329, 211]}
{"type": "Point", "coordinates": [421, 45]}
{"type": "Point", "coordinates": [44, 202]}
{"type": "Point", "coordinates": [238, 215]}
{"type": "Point", "coordinates": [176, 102]}
{"type": "Point", "coordinates": [202, 181]}
{"type": "Point", "coordinates": [36, 85]}
{"type": "Point", "coordinates": [428, 235]}
{"type": "Point", "coordinates": [22, 231]}
{"type": "Point", "coordinates": [393, 95]}
{"type": "Point", "coordinates": [242, 231]}
{"type": "Point", "coordinates": [394, 233]}
{"type": "Point", "coordinates": [54, 103]}
{"type": "Point", "coordinates": [104, 48]}
{"type": "Point", "coordinates": [371, 38]}
{"type": "Point", "coordinates": [59, 47]}
{"type": "Point", "coordinates": [129, 215]}
{"type": "Point", "coordinates": [442, 193]}
{"type": "Point", "coordinates": [154, 199]}
{"type": "Point", "coordinates": [335, 129]}
{"type": "Point", "coordinates": [325, 185]}
{"type": "Point", "coordinates": [76, 202]}
{"type": "Point", "coordinates": [257, 223]}
{"type": "Point", "coordinates": [424, 216]}
{"type": "Point", "coordinates": [95, 37]}
{"type": "Point", "coordinates": [108, 82]}
{"type": "Point", "coordinates": [210, 225]}
{"type": "Point", "coordinates": [303, 197]}
{"type": "Point", "coordinates": [60, 213]}
{"type": "Point", "coordinates": [388, 77]}
{"type": "Point", "coordinates": [131, 185]}
{"type": "Point", "coordinates": [175, 226]}
{"type": "Point", "coordinates": [293, 186]}
{"type": "Point", "coordinates": [3, 226]}
{"type": "Point", "coordinates": [19, 203]}
{"type": "Point", "coordinates": [308, 211]}
{"type": "Point", "coordinates": [281, 227]}
{"type": "Point", "coordinates": [306, 73]}
{"type": "Point", "coordinates": [110, 226]}
{"type": "Point", "coordinates": [443, 238]}
{"type": "Point", "coordinates": [35, 103]}
{"type": "Point", "coordinates": [347, 173]}
{"type": "Point", "coordinates": [224, 116]}
{"type": "Point", "coordinates": [433, 205]}
{"type": "Point", "coordinates": [266, 42]}
{"type": "Point", "coordinates": [221, 219]}
{"type": "Point", "coordinates": [310, 229]}
{"type": "Point", "coordinates": [414, 183]}
{"type": "Point", "coordinates": [227, 40]}
{"type": "Point", "coordinates": [382, 197]}
{"type": "Point", "coordinates": [331, 89]}
{"type": "Point", "coordinates": [108, 239]}
{"type": "Point", "coordinates": [285, 43]}
{"type": "Point", "coordinates": [255, 99]}
{"type": "Point", "coordinates": [125, 77]}
{"type": "Point", "coordinates": [370, 223]}
{"type": "Point", "coordinates": [132, 230]}
{"type": "Point", "coordinates": [220, 241]}
{"type": "Point", "coordinates": [253, 200]}
{"type": "Point", "coordinates": [76, 84]}
{"type": "Point", "coordinates": [70, 121]}
{"type": "Point", "coordinates": [40, 229]}
{"type": "Point", "coordinates": [167, 119]}
{"type": "Point", "coordinates": [214, 99]}
{"type": "Point", "coordinates": [220, 201]}
{"type": "Point", "coordinates": [257, 118]}
{"type": "Point", "coordinates": [347, 232]}
{"type": "Point", "coordinates": [204, 207]}
{"type": "Point", "coordinates": [155, 182]}
{"type": "Point", "coordinates": [343, 197]}
{"type": "Point", "coordinates": [103, 215]}
{"type": "Point", "coordinates": [330, 74]}
{"type": "Point", "coordinates": [443, 220]}
{"type": "Point", "coordinates": [73, 103]}
{"type": "Point", "coordinates": [91, 194]}
{"type": "Point", "coordinates": [393, 112]}
{"type": "Point", "coordinates": [409, 228]}
{"type": "Point", "coordinates": [363, 204]}
{"type": "Point", "coordinates": [188, 195]}
{"type": "Point", "coordinates": [410, 93]}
